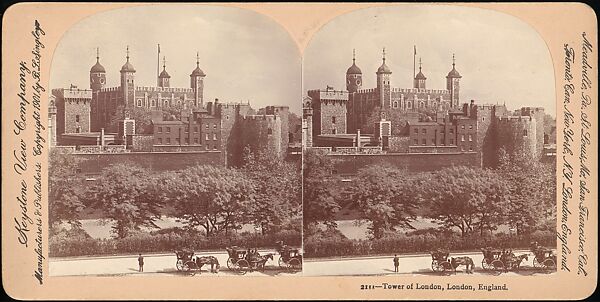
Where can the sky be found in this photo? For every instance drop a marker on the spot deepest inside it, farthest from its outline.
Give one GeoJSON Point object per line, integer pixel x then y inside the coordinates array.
{"type": "Point", "coordinates": [501, 59]}
{"type": "Point", "coordinates": [246, 56]}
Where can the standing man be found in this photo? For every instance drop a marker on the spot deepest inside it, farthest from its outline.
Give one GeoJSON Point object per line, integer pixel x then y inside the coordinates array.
{"type": "Point", "coordinates": [141, 263]}
{"type": "Point", "coordinates": [396, 263]}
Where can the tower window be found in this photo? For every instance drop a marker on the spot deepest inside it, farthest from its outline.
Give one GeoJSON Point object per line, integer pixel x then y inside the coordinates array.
{"type": "Point", "coordinates": [334, 131]}
{"type": "Point", "coordinates": [195, 140]}
{"type": "Point", "coordinates": [206, 137]}
{"type": "Point", "coordinates": [416, 131]}
{"type": "Point", "coordinates": [215, 126]}
{"type": "Point", "coordinates": [160, 141]}
{"type": "Point", "coordinates": [159, 129]}
{"type": "Point", "coordinates": [470, 137]}
{"type": "Point", "coordinates": [524, 132]}
{"type": "Point", "coordinates": [168, 129]}
{"type": "Point", "coordinates": [269, 131]}
{"type": "Point", "coordinates": [424, 131]}
{"type": "Point", "coordinates": [416, 141]}
{"type": "Point", "coordinates": [462, 138]}
{"type": "Point", "coordinates": [152, 103]}
{"type": "Point", "coordinates": [333, 119]}
{"type": "Point", "coordinates": [168, 140]}
{"type": "Point", "coordinates": [424, 142]}
{"type": "Point", "coordinates": [77, 118]}
{"type": "Point", "coordinates": [214, 136]}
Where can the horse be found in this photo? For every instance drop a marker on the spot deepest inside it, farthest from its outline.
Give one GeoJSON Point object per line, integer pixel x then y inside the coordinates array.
{"type": "Point", "coordinates": [466, 261]}
{"type": "Point", "coordinates": [261, 260]}
{"type": "Point", "coordinates": [202, 260]}
{"type": "Point", "coordinates": [515, 261]}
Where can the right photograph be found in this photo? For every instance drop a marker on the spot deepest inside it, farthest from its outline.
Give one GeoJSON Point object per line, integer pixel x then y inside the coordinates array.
{"type": "Point", "coordinates": [429, 145]}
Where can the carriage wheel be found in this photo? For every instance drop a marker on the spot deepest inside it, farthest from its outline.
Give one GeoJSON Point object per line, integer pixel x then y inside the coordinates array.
{"type": "Point", "coordinates": [485, 265]}
{"type": "Point", "coordinates": [282, 262]}
{"type": "Point", "coordinates": [179, 264]}
{"type": "Point", "coordinates": [497, 265]}
{"type": "Point", "coordinates": [549, 264]}
{"type": "Point", "coordinates": [230, 264]}
{"type": "Point", "coordinates": [242, 266]}
{"type": "Point", "coordinates": [295, 264]}
{"type": "Point", "coordinates": [445, 265]}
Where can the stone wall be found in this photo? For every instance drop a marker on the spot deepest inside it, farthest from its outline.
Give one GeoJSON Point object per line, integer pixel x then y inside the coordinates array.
{"type": "Point", "coordinates": [413, 162]}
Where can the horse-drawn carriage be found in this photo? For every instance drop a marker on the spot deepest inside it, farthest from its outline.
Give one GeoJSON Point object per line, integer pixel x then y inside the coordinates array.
{"type": "Point", "coordinates": [501, 260]}
{"type": "Point", "coordinates": [243, 260]}
{"type": "Point", "coordinates": [543, 258]}
{"type": "Point", "coordinates": [187, 261]}
{"type": "Point", "coordinates": [441, 263]}
{"type": "Point", "coordinates": [289, 258]}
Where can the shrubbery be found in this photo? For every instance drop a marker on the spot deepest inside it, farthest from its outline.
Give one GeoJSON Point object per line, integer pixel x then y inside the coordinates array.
{"type": "Point", "coordinates": [167, 240]}
{"type": "Point", "coordinates": [421, 243]}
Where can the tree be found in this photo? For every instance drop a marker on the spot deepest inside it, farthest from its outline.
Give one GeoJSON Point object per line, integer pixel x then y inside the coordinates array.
{"type": "Point", "coordinates": [128, 197]}
{"type": "Point", "coordinates": [214, 198]}
{"type": "Point", "coordinates": [532, 187]}
{"type": "Point", "coordinates": [64, 202]}
{"type": "Point", "coordinates": [277, 195]}
{"type": "Point", "coordinates": [320, 203]}
{"type": "Point", "coordinates": [385, 199]}
{"type": "Point", "coordinates": [466, 198]}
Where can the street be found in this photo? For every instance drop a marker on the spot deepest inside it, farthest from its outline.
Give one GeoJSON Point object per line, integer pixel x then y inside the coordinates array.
{"type": "Point", "coordinates": [164, 264]}
{"type": "Point", "coordinates": [409, 264]}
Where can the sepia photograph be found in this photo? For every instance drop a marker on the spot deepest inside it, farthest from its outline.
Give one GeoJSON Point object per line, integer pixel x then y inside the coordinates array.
{"type": "Point", "coordinates": [429, 145]}
{"type": "Point", "coordinates": [294, 151]}
{"type": "Point", "coordinates": [175, 146]}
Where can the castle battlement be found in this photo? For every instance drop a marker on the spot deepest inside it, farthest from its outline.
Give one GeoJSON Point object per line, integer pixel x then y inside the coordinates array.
{"type": "Point", "coordinates": [370, 90]}
{"type": "Point", "coordinates": [163, 89]}
{"type": "Point", "coordinates": [260, 117]}
{"type": "Point", "coordinates": [118, 88]}
{"type": "Point", "coordinates": [329, 94]}
{"type": "Point", "coordinates": [73, 93]}
{"type": "Point", "coordinates": [416, 90]}
{"type": "Point", "coordinates": [513, 119]}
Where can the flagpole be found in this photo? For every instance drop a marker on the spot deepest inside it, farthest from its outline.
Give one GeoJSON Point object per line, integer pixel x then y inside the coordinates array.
{"type": "Point", "coordinates": [414, 62]}
{"type": "Point", "coordinates": [158, 66]}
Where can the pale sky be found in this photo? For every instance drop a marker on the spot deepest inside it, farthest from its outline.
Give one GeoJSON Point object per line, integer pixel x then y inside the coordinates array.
{"type": "Point", "coordinates": [501, 59]}
{"type": "Point", "coordinates": [245, 55]}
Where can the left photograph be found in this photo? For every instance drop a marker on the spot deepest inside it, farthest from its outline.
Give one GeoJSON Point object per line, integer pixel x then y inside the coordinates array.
{"type": "Point", "coordinates": [175, 145]}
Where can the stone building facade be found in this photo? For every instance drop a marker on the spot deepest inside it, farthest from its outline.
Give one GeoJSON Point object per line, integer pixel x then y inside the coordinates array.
{"type": "Point", "coordinates": [73, 107]}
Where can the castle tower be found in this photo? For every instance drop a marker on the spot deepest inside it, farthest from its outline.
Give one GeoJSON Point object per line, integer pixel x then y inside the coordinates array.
{"type": "Point", "coordinates": [97, 74]}
{"type": "Point", "coordinates": [52, 121]}
{"type": "Point", "coordinates": [197, 83]}
{"type": "Point", "coordinates": [383, 84]}
{"type": "Point", "coordinates": [307, 132]}
{"type": "Point", "coordinates": [452, 84]}
{"type": "Point", "coordinates": [127, 82]}
{"type": "Point", "coordinates": [420, 78]}
{"type": "Point", "coordinates": [353, 76]}
{"type": "Point", "coordinates": [163, 78]}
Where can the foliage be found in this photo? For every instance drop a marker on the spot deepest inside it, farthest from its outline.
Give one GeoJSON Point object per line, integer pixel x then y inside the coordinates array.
{"type": "Point", "coordinates": [319, 190]}
{"type": "Point", "coordinates": [421, 243]}
{"type": "Point", "coordinates": [215, 198]}
{"type": "Point", "coordinates": [276, 186]}
{"type": "Point", "coordinates": [532, 187]}
{"type": "Point", "coordinates": [64, 202]}
{"type": "Point", "coordinates": [466, 198]}
{"type": "Point", "coordinates": [127, 195]}
{"type": "Point", "coordinates": [384, 198]}
{"type": "Point", "coordinates": [166, 241]}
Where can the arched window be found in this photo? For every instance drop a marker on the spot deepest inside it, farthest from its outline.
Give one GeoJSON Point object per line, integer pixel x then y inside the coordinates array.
{"type": "Point", "coordinates": [395, 104]}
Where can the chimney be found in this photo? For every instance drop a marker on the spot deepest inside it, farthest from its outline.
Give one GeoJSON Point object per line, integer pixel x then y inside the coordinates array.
{"type": "Point", "coordinates": [471, 107]}
{"type": "Point", "coordinates": [209, 108]}
{"type": "Point", "coordinates": [102, 137]}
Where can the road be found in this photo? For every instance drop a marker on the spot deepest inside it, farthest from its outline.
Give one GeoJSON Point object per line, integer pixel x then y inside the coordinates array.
{"type": "Point", "coordinates": [153, 264]}
{"type": "Point", "coordinates": [419, 264]}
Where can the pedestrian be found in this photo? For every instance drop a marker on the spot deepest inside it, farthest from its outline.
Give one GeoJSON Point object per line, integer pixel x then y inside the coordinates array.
{"type": "Point", "coordinates": [396, 263]}
{"type": "Point", "coordinates": [141, 263]}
